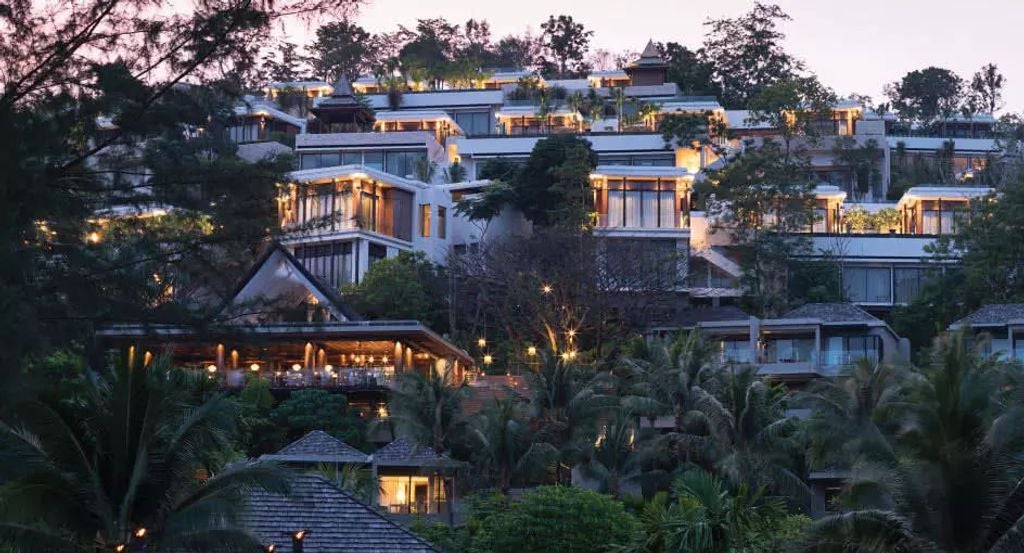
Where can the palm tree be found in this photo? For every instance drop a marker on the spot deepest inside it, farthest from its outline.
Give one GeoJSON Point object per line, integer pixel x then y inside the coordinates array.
{"type": "Point", "coordinates": [504, 445]}
{"type": "Point", "coordinates": [619, 97]}
{"type": "Point", "coordinates": [135, 448]}
{"type": "Point", "coordinates": [428, 407]}
{"type": "Point", "coordinates": [847, 414]}
{"type": "Point", "coordinates": [704, 516]}
{"type": "Point", "coordinates": [752, 440]}
{"type": "Point", "coordinates": [615, 459]}
{"type": "Point", "coordinates": [567, 400]}
{"type": "Point", "coordinates": [956, 483]}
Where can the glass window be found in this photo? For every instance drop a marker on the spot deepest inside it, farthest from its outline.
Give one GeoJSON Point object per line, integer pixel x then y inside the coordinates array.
{"type": "Point", "coordinates": [405, 164]}
{"type": "Point", "coordinates": [908, 282]}
{"type": "Point", "coordinates": [867, 284]}
{"type": "Point", "coordinates": [790, 350]}
{"type": "Point", "coordinates": [474, 122]}
{"type": "Point", "coordinates": [376, 252]}
{"type": "Point", "coordinates": [841, 351]}
{"type": "Point", "coordinates": [735, 351]}
{"type": "Point", "coordinates": [442, 222]}
{"type": "Point", "coordinates": [425, 220]}
{"type": "Point", "coordinates": [351, 158]}
{"type": "Point", "coordinates": [330, 262]}
{"type": "Point", "coordinates": [374, 160]}
{"type": "Point", "coordinates": [641, 204]}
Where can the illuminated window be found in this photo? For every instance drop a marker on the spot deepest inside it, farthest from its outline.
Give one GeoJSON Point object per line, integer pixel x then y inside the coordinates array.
{"type": "Point", "coordinates": [425, 220]}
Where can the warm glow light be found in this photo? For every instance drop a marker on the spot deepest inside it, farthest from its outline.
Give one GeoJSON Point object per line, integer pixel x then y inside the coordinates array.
{"type": "Point", "coordinates": [531, 351]}
{"type": "Point", "coordinates": [254, 367]}
{"type": "Point", "coordinates": [211, 369]}
{"type": "Point", "coordinates": [371, 359]}
{"type": "Point", "coordinates": [571, 333]}
{"type": "Point", "coordinates": [546, 289]}
{"type": "Point", "coordinates": [329, 368]}
{"type": "Point", "coordinates": [140, 533]}
{"type": "Point", "coordinates": [382, 411]}
{"type": "Point", "coordinates": [400, 496]}
{"type": "Point", "coordinates": [94, 237]}
{"type": "Point", "coordinates": [119, 548]}
{"type": "Point", "coordinates": [488, 360]}
{"type": "Point", "coordinates": [482, 342]}
{"type": "Point", "coordinates": [565, 356]}
{"type": "Point", "coordinates": [271, 548]}
{"type": "Point", "coordinates": [296, 367]}
{"type": "Point", "coordinates": [299, 535]}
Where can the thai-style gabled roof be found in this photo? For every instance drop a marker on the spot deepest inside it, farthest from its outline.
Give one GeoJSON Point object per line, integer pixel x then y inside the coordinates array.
{"type": "Point", "coordinates": [278, 267]}
{"type": "Point", "coordinates": [342, 106]}
{"type": "Point", "coordinates": [333, 521]}
{"type": "Point", "coordinates": [404, 453]}
{"type": "Point", "coordinates": [318, 447]}
{"type": "Point", "coordinates": [650, 56]}
{"type": "Point", "coordinates": [996, 314]}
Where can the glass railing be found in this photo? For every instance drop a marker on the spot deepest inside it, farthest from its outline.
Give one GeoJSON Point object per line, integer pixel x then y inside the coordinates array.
{"type": "Point", "coordinates": [845, 358]}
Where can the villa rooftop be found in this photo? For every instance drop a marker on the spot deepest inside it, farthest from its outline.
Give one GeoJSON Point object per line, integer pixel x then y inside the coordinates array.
{"type": "Point", "coordinates": [318, 447]}
{"type": "Point", "coordinates": [831, 313]}
{"type": "Point", "coordinates": [997, 314]}
{"type": "Point", "coordinates": [332, 520]}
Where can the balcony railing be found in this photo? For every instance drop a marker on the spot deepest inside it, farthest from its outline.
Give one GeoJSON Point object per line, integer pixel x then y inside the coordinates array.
{"type": "Point", "coordinates": [355, 378]}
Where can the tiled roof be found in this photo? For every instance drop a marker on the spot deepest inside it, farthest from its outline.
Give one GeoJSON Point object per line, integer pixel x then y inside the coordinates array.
{"type": "Point", "coordinates": [830, 313]}
{"type": "Point", "coordinates": [333, 521]}
{"type": "Point", "coordinates": [405, 453]}
{"type": "Point", "coordinates": [318, 447]}
{"type": "Point", "coordinates": [995, 314]}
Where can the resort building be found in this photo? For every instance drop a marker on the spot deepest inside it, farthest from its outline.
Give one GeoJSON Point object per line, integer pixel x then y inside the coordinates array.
{"type": "Point", "coordinates": [812, 341]}
{"type": "Point", "coordinates": [285, 325]}
{"type": "Point", "coordinates": [998, 330]}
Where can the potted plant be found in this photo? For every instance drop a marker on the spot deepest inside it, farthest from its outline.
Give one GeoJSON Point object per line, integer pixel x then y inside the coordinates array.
{"type": "Point", "coordinates": [889, 219]}
{"type": "Point", "coordinates": [858, 219]}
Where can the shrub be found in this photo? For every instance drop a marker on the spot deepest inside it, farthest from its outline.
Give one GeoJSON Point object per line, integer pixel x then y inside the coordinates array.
{"type": "Point", "coordinates": [557, 518]}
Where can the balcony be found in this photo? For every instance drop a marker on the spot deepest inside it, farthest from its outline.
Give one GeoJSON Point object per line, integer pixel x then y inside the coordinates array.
{"type": "Point", "coordinates": [331, 378]}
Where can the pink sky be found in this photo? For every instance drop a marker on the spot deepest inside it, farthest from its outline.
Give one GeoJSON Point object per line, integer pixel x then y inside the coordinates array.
{"type": "Point", "coordinates": [852, 46]}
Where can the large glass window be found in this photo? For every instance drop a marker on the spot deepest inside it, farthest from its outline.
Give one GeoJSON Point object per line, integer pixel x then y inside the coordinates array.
{"type": "Point", "coordinates": [641, 204]}
{"type": "Point", "coordinates": [908, 282]}
{"type": "Point", "coordinates": [330, 262]}
{"type": "Point", "coordinates": [867, 284]}
{"type": "Point", "coordinates": [735, 351]}
{"type": "Point", "coordinates": [374, 160]}
{"type": "Point", "coordinates": [789, 350]}
{"type": "Point", "coordinates": [474, 122]}
{"type": "Point", "coordinates": [442, 222]}
{"type": "Point", "coordinates": [376, 252]}
{"type": "Point", "coordinates": [405, 164]}
{"type": "Point", "coordinates": [842, 351]}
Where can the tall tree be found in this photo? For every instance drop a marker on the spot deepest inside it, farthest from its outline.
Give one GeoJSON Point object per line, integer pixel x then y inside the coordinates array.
{"type": "Point", "coordinates": [747, 53]}
{"type": "Point", "coordinates": [504, 446]}
{"type": "Point", "coordinates": [990, 257]}
{"type": "Point", "coordinates": [692, 71]}
{"type": "Point", "coordinates": [91, 80]}
{"type": "Point", "coordinates": [926, 95]}
{"type": "Point", "coordinates": [564, 44]}
{"type": "Point", "coordinates": [986, 92]}
{"type": "Point", "coordinates": [428, 408]}
{"type": "Point", "coordinates": [517, 52]}
{"type": "Point", "coordinates": [340, 48]}
{"type": "Point", "coordinates": [283, 64]}
{"type": "Point", "coordinates": [131, 457]}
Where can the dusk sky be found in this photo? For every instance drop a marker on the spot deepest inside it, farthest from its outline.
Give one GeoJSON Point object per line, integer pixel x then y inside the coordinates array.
{"type": "Point", "coordinates": [853, 47]}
